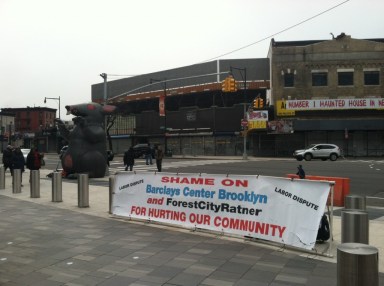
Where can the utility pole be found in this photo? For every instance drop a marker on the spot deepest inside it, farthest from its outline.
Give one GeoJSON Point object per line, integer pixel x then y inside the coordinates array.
{"type": "Point", "coordinates": [245, 156]}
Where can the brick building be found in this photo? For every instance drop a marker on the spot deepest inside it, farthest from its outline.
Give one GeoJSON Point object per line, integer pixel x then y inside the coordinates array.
{"type": "Point", "coordinates": [332, 91]}
{"type": "Point", "coordinates": [33, 126]}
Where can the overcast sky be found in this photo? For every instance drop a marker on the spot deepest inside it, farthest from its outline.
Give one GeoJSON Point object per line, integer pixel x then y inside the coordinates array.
{"type": "Point", "coordinates": [51, 48]}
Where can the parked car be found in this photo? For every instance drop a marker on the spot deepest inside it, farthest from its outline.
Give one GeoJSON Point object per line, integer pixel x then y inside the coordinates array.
{"type": "Point", "coordinates": [318, 151]}
{"type": "Point", "coordinates": [141, 149]}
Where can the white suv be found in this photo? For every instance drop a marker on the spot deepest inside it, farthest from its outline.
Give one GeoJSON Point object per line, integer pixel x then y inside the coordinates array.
{"type": "Point", "coordinates": [318, 151]}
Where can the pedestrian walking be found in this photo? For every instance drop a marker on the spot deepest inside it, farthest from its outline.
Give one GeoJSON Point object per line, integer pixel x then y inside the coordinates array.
{"type": "Point", "coordinates": [129, 159]}
{"type": "Point", "coordinates": [18, 162]}
{"type": "Point", "coordinates": [148, 155]}
{"type": "Point", "coordinates": [7, 158]}
{"type": "Point", "coordinates": [34, 161]}
{"type": "Point", "coordinates": [159, 155]}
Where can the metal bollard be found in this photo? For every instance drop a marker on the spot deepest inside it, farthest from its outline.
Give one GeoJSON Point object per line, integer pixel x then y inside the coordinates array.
{"type": "Point", "coordinates": [83, 191]}
{"type": "Point", "coordinates": [35, 183]}
{"type": "Point", "coordinates": [355, 202]}
{"type": "Point", "coordinates": [354, 226]}
{"type": "Point", "coordinates": [111, 185]}
{"type": "Point", "coordinates": [2, 178]}
{"type": "Point", "coordinates": [57, 187]}
{"type": "Point", "coordinates": [16, 181]}
{"type": "Point", "coordinates": [357, 265]}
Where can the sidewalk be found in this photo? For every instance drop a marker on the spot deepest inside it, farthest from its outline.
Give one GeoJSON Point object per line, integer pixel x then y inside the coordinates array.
{"type": "Point", "coordinates": [58, 243]}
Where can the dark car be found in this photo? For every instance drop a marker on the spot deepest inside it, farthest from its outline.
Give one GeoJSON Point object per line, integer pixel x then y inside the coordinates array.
{"type": "Point", "coordinates": [141, 149]}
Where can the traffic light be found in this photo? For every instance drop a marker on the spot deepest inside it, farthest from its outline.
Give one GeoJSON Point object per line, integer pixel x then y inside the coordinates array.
{"type": "Point", "coordinates": [224, 86]}
{"type": "Point", "coordinates": [232, 84]}
{"type": "Point", "coordinates": [261, 103]}
{"type": "Point", "coordinates": [256, 103]}
{"type": "Point", "coordinates": [229, 84]}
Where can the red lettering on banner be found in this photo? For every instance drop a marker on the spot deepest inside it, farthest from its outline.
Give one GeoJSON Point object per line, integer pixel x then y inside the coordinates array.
{"type": "Point", "coordinates": [155, 201]}
{"type": "Point", "coordinates": [357, 103]}
{"type": "Point", "coordinates": [167, 214]}
{"type": "Point", "coordinates": [237, 183]}
{"type": "Point", "coordinates": [298, 104]}
{"type": "Point", "coordinates": [249, 226]}
{"type": "Point", "coordinates": [200, 219]}
{"type": "Point", "coordinates": [191, 181]}
{"type": "Point", "coordinates": [138, 210]}
{"type": "Point", "coordinates": [381, 102]}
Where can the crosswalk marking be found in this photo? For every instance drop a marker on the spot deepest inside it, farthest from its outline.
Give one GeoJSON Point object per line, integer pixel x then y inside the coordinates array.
{"type": "Point", "coordinates": [141, 166]}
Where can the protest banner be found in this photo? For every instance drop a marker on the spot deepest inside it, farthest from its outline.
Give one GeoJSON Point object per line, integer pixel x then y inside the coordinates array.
{"type": "Point", "coordinates": [276, 209]}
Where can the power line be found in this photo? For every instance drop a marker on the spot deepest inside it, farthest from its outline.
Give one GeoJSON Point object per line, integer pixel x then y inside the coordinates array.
{"type": "Point", "coordinates": [244, 47]}
{"type": "Point", "coordinates": [282, 31]}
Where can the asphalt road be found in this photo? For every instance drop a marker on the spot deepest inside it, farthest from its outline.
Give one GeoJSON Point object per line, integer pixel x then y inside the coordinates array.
{"type": "Point", "coordinates": [366, 175]}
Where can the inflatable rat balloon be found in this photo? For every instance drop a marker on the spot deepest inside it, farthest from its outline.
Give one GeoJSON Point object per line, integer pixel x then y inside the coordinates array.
{"type": "Point", "coordinates": [86, 151]}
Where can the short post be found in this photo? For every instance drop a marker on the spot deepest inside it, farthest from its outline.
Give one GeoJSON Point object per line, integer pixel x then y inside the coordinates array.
{"type": "Point", "coordinates": [57, 187]}
{"type": "Point", "coordinates": [357, 265]}
{"type": "Point", "coordinates": [83, 190]}
{"type": "Point", "coordinates": [16, 181]}
{"type": "Point", "coordinates": [2, 178]}
{"type": "Point", "coordinates": [355, 202]}
{"type": "Point", "coordinates": [111, 185]}
{"type": "Point", "coordinates": [354, 226]}
{"type": "Point", "coordinates": [35, 183]}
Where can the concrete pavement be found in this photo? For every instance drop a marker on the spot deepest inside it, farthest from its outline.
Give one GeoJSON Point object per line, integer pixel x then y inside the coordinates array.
{"type": "Point", "coordinates": [57, 243]}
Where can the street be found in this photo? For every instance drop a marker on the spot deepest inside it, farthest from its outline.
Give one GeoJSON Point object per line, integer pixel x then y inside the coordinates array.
{"type": "Point", "coordinates": [366, 175]}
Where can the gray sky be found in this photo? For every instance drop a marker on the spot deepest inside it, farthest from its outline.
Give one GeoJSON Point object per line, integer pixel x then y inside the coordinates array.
{"type": "Point", "coordinates": [52, 48]}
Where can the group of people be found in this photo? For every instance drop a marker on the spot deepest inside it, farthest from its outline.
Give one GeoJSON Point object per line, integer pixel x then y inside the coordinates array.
{"type": "Point", "coordinates": [13, 159]}
{"type": "Point", "coordinates": [129, 158]}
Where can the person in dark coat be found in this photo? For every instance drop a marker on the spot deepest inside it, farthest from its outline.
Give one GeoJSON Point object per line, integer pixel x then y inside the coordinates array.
{"type": "Point", "coordinates": [148, 155]}
{"type": "Point", "coordinates": [300, 172]}
{"type": "Point", "coordinates": [129, 159]}
{"type": "Point", "coordinates": [34, 159]}
{"type": "Point", "coordinates": [18, 161]}
{"type": "Point", "coordinates": [159, 155]}
{"type": "Point", "coordinates": [7, 158]}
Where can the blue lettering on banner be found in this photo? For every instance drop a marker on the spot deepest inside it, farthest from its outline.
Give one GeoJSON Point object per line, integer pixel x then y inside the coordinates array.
{"type": "Point", "coordinates": [163, 191]}
{"type": "Point", "coordinates": [245, 196]}
{"type": "Point", "coordinates": [202, 193]}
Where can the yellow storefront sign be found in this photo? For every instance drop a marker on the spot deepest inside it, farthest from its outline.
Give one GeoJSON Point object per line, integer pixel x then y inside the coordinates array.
{"type": "Point", "coordinates": [257, 124]}
{"type": "Point", "coordinates": [281, 109]}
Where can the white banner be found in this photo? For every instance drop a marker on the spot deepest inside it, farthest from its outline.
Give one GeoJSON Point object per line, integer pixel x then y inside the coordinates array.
{"type": "Point", "coordinates": [276, 209]}
{"type": "Point", "coordinates": [351, 103]}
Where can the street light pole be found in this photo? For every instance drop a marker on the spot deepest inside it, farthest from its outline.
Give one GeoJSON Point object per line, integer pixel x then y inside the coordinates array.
{"type": "Point", "coordinates": [164, 82]}
{"type": "Point", "coordinates": [55, 98]}
{"type": "Point", "coordinates": [104, 76]}
{"type": "Point", "coordinates": [245, 156]}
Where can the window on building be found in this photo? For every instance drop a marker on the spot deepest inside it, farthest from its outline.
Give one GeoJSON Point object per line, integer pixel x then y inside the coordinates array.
{"type": "Point", "coordinates": [319, 79]}
{"type": "Point", "coordinates": [289, 80]}
{"type": "Point", "coordinates": [345, 78]}
{"type": "Point", "coordinates": [371, 78]}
